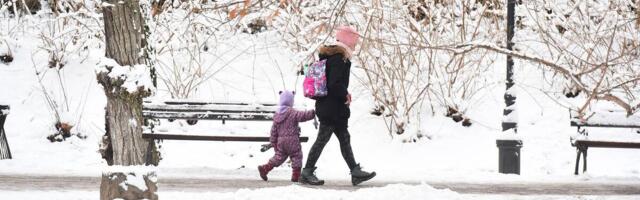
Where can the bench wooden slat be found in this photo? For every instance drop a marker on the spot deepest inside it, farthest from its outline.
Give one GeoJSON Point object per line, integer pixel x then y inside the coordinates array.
{"type": "Point", "coordinates": [575, 123]}
{"type": "Point", "coordinates": [606, 144]}
{"type": "Point", "coordinates": [195, 102]}
{"type": "Point", "coordinates": [208, 116]}
{"type": "Point", "coordinates": [606, 119]}
{"type": "Point", "coordinates": [188, 110]}
{"type": "Point", "coordinates": [210, 107]}
{"type": "Point", "coordinates": [211, 138]}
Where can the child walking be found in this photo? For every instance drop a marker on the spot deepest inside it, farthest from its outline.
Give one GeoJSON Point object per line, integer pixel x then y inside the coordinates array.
{"type": "Point", "coordinates": [285, 136]}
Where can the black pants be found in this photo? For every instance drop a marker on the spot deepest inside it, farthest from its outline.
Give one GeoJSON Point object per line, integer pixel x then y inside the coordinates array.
{"type": "Point", "coordinates": [324, 134]}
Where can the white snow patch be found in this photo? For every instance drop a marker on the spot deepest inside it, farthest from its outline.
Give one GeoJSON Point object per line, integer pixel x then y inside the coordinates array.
{"type": "Point", "coordinates": [133, 123]}
{"type": "Point", "coordinates": [137, 169]}
{"type": "Point", "coordinates": [123, 185]}
{"type": "Point", "coordinates": [106, 5]}
{"type": "Point", "coordinates": [512, 116]}
{"type": "Point", "coordinates": [135, 175]}
{"type": "Point", "coordinates": [608, 117]}
{"type": "Point", "coordinates": [509, 134]}
{"type": "Point", "coordinates": [136, 180]}
{"type": "Point", "coordinates": [134, 77]}
{"type": "Point", "coordinates": [68, 118]}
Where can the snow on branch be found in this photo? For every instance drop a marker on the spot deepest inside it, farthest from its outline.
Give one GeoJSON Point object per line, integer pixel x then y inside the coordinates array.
{"type": "Point", "coordinates": [462, 49]}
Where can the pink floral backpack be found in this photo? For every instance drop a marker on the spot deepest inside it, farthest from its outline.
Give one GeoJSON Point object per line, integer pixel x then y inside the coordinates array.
{"type": "Point", "coordinates": [315, 80]}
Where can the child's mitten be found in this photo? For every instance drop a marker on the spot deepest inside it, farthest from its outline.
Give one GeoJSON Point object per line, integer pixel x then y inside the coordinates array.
{"type": "Point", "coordinates": [265, 147]}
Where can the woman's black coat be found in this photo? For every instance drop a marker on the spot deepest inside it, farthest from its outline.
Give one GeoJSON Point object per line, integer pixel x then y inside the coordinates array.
{"type": "Point", "coordinates": [331, 109]}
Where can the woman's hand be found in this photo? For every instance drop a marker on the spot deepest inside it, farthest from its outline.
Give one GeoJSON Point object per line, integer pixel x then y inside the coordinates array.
{"type": "Point", "coordinates": [348, 99]}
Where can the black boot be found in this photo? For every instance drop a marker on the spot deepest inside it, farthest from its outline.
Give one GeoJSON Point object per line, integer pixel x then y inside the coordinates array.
{"type": "Point", "coordinates": [308, 177]}
{"type": "Point", "coordinates": [358, 176]}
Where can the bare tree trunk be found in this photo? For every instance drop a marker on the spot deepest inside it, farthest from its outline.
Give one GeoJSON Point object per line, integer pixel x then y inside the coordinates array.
{"type": "Point", "coordinates": [123, 25]}
{"type": "Point", "coordinates": [124, 37]}
{"type": "Point", "coordinates": [125, 43]}
{"type": "Point", "coordinates": [125, 120]}
{"type": "Point", "coordinates": [638, 14]}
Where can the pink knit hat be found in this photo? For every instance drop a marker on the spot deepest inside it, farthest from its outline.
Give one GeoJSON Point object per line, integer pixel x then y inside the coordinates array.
{"type": "Point", "coordinates": [348, 36]}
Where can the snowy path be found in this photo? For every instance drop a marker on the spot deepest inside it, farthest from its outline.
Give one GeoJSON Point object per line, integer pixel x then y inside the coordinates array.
{"type": "Point", "coordinates": [58, 183]}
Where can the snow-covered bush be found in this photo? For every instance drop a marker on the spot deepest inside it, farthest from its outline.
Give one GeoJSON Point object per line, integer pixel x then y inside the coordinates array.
{"type": "Point", "coordinates": [21, 6]}
{"type": "Point", "coordinates": [401, 73]}
{"type": "Point", "coordinates": [57, 40]}
{"type": "Point", "coordinates": [6, 56]}
{"type": "Point", "coordinates": [593, 45]}
{"type": "Point", "coordinates": [187, 36]}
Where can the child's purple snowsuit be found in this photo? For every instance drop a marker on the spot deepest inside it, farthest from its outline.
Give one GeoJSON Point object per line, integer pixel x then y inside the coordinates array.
{"type": "Point", "coordinates": [285, 135]}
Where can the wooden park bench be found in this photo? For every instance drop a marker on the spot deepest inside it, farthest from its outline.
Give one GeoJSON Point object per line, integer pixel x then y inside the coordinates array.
{"type": "Point", "coordinates": [606, 119]}
{"type": "Point", "coordinates": [192, 111]}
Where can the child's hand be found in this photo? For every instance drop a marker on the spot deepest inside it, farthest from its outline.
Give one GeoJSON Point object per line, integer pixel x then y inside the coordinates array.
{"type": "Point", "coordinates": [348, 99]}
{"type": "Point", "coordinates": [265, 147]}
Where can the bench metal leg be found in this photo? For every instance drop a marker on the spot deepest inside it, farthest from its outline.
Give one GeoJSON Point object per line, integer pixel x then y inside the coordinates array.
{"type": "Point", "coordinates": [582, 149]}
{"type": "Point", "coordinates": [577, 161]}
{"type": "Point", "coordinates": [148, 155]}
{"type": "Point", "coordinates": [584, 157]}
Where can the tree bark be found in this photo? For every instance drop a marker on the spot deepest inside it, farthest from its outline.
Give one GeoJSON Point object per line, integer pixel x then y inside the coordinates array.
{"type": "Point", "coordinates": [124, 43]}
{"type": "Point", "coordinates": [123, 27]}
{"type": "Point", "coordinates": [123, 143]}
{"type": "Point", "coordinates": [125, 120]}
{"type": "Point", "coordinates": [123, 185]}
{"type": "Point", "coordinates": [638, 14]}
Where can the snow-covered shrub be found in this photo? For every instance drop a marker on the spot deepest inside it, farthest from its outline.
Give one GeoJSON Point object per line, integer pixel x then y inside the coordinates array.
{"type": "Point", "coordinates": [65, 117]}
{"type": "Point", "coordinates": [70, 37]}
{"type": "Point", "coordinates": [64, 131]}
{"type": "Point", "coordinates": [182, 50]}
{"type": "Point", "coordinates": [593, 45]}
{"type": "Point", "coordinates": [401, 72]}
{"type": "Point", "coordinates": [66, 6]}
{"type": "Point", "coordinates": [188, 38]}
{"type": "Point", "coordinates": [6, 56]}
{"type": "Point", "coordinates": [54, 42]}
{"type": "Point", "coordinates": [22, 6]}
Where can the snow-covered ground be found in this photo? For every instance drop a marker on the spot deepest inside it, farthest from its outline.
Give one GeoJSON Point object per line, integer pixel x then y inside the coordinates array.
{"type": "Point", "coordinates": [454, 153]}
{"type": "Point", "coordinates": [395, 191]}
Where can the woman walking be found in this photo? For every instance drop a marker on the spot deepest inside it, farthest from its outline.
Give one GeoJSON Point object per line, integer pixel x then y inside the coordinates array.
{"type": "Point", "coordinates": [333, 110]}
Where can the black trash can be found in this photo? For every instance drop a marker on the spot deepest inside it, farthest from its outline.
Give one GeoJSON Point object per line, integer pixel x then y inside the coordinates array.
{"type": "Point", "coordinates": [5, 153]}
{"type": "Point", "coordinates": [509, 156]}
